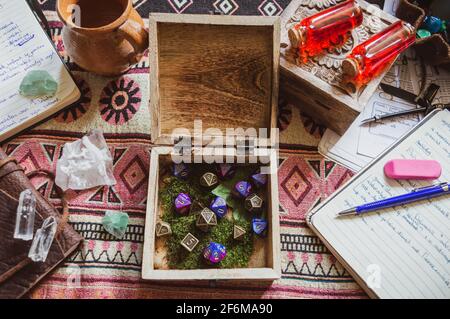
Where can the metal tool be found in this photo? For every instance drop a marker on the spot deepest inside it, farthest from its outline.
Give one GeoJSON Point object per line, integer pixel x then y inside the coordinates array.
{"type": "Point", "coordinates": [425, 102]}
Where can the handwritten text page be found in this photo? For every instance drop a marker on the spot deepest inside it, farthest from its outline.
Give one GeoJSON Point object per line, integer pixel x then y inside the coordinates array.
{"type": "Point", "coordinates": [25, 47]}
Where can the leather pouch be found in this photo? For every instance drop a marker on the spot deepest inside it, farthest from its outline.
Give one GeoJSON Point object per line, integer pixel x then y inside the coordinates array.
{"type": "Point", "coordinates": [18, 273]}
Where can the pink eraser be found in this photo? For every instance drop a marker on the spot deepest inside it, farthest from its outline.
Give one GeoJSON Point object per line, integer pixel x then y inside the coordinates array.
{"type": "Point", "coordinates": [412, 169]}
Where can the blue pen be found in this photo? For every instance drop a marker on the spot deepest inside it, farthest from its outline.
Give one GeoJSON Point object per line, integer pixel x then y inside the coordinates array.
{"type": "Point", "coordinates": [414, 196]}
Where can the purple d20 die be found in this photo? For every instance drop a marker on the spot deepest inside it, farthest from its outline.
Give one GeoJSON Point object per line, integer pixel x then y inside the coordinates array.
{"type": "Point", "coordinates": [181, 170]}
{"type": "Point", "coordinates": [183, 204]}
{"type": "Point", "coordinates": [242, 189]}
{"type": "Point", "coordinates": [259, 180]}
{"type": "Point", "coordinates": [219, 207]}
{"type": "Point", "coordinates": [215, 253]}
{"type": "Point", "coordinates": [226, 171]}
{"type": "Point", "coordinates": [259, 226]}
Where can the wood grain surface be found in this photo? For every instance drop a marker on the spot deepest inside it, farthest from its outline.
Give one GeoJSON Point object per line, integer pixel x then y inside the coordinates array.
{"type": "Point", "coordinates": [220, 74]}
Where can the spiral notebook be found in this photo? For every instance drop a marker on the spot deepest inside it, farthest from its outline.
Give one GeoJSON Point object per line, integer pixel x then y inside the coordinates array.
{"type": "Point", "coordinates": [25, 46]}
{"type": "Point", "coordinates": [400, 252]}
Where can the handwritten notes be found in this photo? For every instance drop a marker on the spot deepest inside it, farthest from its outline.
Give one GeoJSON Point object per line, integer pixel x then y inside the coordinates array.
{"type": "Point", "coordinates": [409, 245]}
{"type": "Point", "coordinates": [25, 46]}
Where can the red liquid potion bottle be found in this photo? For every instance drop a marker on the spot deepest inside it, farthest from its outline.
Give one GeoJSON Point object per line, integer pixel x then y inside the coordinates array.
{"type": "Point", "coordinates": [371, 57]}
{"type": "Point", "coordinates": [325, 29]}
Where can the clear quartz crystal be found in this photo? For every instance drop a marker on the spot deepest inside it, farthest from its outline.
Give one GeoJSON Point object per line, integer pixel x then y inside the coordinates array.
{"type": "Point", "coordinates": [26, 212]}
{"type": "Point", "coordinates": [43, 240]}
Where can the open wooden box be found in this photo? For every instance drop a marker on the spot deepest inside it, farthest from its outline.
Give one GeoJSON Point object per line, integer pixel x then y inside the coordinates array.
{"type": "Point", "coordinates": [316, 87]}
{"type": "Point", "coordinates": [222, 70]}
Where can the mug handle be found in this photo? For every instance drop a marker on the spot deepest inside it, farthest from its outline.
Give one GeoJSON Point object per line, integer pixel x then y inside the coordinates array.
{"type": "Point", "coordinates": [137, 36]}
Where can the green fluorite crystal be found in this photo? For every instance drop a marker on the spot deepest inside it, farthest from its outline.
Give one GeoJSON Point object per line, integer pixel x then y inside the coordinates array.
{"type": "Point", "coordinates": [38, 83]}
{"type": "Point", "coordinates": [115, 223]}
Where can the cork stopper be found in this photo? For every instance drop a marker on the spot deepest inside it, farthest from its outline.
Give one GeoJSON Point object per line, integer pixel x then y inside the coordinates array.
{"type": "Point", "coordinates": [409, 28]}
{"type": "Point", "coordinates": [350, 68]}
{"type": "Point", "coordinates": [296, 37]}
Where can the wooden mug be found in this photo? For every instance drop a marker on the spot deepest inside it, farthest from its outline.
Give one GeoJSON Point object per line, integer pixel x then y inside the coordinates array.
{"type": "Point", "coordinates": [103, 36]}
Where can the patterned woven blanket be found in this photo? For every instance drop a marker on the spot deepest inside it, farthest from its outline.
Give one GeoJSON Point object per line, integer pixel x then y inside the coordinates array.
{"type": "Point", "coordinates": [107, 268]}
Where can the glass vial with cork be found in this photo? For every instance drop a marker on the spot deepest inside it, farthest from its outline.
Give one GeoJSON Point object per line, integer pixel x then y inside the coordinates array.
{"type": "Point", "coordinates": [371, 57]}
{"type": "Point", "coordinates": [325, 29]}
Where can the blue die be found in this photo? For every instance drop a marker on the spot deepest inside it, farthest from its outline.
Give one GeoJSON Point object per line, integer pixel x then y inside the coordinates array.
{"type": "Point", "coordinates": [215, 253]}
{"type": "Point", "coordinates": [226, 171]}
{"type": "Point", "coordinates": [219, 207]}
{"type": "Point", "coordinates": [259, 226]}
{"type": "Point", "coordinates": [181, 170]}
{"type": "Point", "coordinates": [242, 189]}
{"type": "Point", "coordinates": [259, 180]}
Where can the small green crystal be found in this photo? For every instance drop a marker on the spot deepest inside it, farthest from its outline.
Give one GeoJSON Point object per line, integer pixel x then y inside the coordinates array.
{"type": "Point", "coordinates": [115, 223]}
{"type": "Point", "coordinates": [422, 33]}
{"type": "Point", "coordinates": [38, 83]}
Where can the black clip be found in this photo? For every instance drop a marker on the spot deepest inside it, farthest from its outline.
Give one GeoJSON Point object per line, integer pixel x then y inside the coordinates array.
{"type": "Point", "coordinates": [431, 92]}
{"type": "Point", "coordinates": [428, 97]}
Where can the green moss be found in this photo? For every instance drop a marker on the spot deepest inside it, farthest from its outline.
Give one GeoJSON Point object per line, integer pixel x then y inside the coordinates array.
{"type": "Point", "coordinates": [238, 252]}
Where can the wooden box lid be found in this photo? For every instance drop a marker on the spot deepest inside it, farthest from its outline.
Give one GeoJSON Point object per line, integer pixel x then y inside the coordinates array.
{"type": "Point", "coordinates": [222, 70]}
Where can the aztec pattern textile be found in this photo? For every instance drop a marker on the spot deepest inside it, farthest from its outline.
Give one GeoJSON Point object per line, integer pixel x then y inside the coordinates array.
{"type": "Point", "coordinates": [107, 268]}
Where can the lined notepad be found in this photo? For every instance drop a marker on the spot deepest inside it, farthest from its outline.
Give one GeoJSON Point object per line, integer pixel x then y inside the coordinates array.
{"type": "Point", "coordinates": [400, 252]}
{"type": "Point", "coordinates": [25, 47]}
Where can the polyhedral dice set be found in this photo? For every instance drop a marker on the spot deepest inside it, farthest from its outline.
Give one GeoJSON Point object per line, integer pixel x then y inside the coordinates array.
{"type": "Point", "coordinates": [226, 184]}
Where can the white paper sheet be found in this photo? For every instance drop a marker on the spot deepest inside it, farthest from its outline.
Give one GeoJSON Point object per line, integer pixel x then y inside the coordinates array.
{"type": "Point", "coordinates": [344, 150]}
{"type": "Point", "coordinates": [362, 143]}
{"type": "Point", "coordinates": [374, 138]}
{"type": "Point", "coordinates": [371, 140]}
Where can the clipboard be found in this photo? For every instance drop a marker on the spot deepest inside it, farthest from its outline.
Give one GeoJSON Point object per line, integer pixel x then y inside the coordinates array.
{"type": "Point", "coordinates": [324, 238]}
